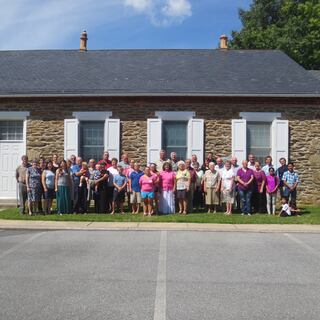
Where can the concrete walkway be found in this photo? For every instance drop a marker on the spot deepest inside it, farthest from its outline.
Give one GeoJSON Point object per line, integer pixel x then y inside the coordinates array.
{"type": "Point", "coordinates": [150, 226]}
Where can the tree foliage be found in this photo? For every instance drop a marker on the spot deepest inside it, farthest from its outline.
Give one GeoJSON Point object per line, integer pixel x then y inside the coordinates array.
{"type": "Point", "coordinates": [292, 26]}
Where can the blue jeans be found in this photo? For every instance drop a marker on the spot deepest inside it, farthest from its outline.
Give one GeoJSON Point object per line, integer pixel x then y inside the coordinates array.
{"type": "Point", "coordinates": [245, 199]}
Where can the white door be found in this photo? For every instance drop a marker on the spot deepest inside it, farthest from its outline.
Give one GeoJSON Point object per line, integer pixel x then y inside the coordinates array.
{"type": "Point", "coordinates": [10, 158]}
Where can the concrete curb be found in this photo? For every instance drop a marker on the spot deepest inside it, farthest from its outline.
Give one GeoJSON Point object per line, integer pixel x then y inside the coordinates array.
{"type": "Point", "coordinates": [154, 226]}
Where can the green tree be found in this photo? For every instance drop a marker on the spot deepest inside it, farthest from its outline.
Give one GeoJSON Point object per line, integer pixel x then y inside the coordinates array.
{"type": "Point", "coordinates": [292, 26]}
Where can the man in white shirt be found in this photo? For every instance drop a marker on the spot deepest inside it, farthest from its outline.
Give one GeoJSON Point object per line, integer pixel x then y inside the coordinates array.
{"type": "Point", "coordinates": [161, 161]}
{"type": "Point", "coordinates": [251, 162]}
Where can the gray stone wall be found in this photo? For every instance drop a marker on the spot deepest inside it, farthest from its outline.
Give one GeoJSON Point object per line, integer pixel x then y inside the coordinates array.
{"type": "Point", "coordinates": [45, 129]}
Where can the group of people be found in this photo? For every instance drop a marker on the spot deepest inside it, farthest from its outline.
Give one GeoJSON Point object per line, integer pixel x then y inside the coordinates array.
{"type": "Point", "coordinates": [164, 187]}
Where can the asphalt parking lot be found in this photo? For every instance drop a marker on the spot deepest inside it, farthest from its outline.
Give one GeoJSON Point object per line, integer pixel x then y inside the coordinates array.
{"type": "Point", "coordinates": [158, 275]}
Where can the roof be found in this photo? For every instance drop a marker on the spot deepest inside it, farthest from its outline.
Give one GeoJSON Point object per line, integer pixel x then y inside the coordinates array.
{"type": "Point", "coordinates": [153, 72]}
{"type": "Point", "coordinates": [315, 73]}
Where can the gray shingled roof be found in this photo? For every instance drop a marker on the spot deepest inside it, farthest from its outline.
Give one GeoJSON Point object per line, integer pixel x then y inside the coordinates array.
{"type": "Point", "coordinates": [163, 72]}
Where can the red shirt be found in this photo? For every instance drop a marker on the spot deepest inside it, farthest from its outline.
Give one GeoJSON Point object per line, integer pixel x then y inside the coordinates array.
{"type": "Point", "coordinates": [105, 164]}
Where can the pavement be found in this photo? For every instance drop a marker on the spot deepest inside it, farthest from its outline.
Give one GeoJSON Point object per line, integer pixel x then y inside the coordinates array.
{"type": "Point", "coordinates": [158, 275]}
{"type": "Point", "coordinates": [154, 226]}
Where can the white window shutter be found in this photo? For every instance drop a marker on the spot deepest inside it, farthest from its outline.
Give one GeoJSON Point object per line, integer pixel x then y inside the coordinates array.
{"type": "Point", "coordinates": [71, 137]}
{"type": "Point", "coordinates": [112, 137]}
{"type": "Point", "coordinates": [239, 139]}
{"type": "Point", "coordinates": [154, 139]}
{"type": "Point", "coordinates": [280, 140]}
{"type": "Point", "coordinates": [196, 139]}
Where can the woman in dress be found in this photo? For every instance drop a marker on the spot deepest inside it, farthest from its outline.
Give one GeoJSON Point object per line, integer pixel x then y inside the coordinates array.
{"type": "Point", "coordinates": [167, 186]}
{"type": "Point", "coordinates": [33, 181]}
{"type": "Point", "coordinates": [153, 170]}
{"type": "Point", "coordinates": [62, 188]}
{"type": "Point", "coordinates": [258, 195]}
{"type": "Point", "coordinates": [198, 194]}
{"type": "Point", "coordinates": [47, 179]}
{"type": "Point", "coordinates": [227, 186]}
{"type": "Point", "coordinates": [183, 179]}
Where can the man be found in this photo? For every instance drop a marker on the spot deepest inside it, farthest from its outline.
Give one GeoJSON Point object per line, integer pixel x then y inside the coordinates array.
{"type": "Point", "coordinates": [161, 161]}
{"type": "Point", "coordinates": [192, 186]}
{"type": "Point", "coordinates": [135, 188]}
{"type": "Point", "coordinates": [252, 161]}
{"type": "Point", "coordinates": [220, 165]}
{"type": "Point", "coordinates": [174, 161]}
{"type": "Point", "coordinates": [21, 181]}
{"type": "Point", "coordinates": [290, 180]}
{"type": "Point", "coordinates": [125, 162]}
{"type": "Point", "coordinates": [105, 162]}
{"type": "Point", "coordinates": [245, 178]}
{"type": "Point", "coordinates": [268, 165]}
{"type": "Point", "coordinates": [279, 173]}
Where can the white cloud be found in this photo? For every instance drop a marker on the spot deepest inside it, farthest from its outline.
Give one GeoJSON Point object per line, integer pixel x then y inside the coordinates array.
{"type": "Point", "coordinates": [139, 5]}
{"type": "Point", "coordinates": [177, 8]}
{"type": "Point", "coordinates": [162, 12]}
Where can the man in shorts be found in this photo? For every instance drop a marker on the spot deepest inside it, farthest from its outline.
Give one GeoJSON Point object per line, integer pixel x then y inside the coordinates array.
{"type": "Point", "coordinates": [135, 189]}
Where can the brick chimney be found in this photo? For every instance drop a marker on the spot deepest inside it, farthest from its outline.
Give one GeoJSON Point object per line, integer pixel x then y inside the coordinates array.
{"type": "Point", "coordinates": [83, 41]}
{"type": "Point", "coordinates": [223, 42]}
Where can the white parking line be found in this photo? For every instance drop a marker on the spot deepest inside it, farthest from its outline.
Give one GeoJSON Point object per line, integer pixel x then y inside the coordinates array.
{"type": "Point", "coordinates": [20, 245]}
{"type": "Point", "coordinates": [302, 244]}
{"type": "Point", "coordinates": [160, 305]}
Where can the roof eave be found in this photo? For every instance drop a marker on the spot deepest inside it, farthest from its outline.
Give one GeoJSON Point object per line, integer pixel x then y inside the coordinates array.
{"type": "Point", "coordinates": [157, 94]}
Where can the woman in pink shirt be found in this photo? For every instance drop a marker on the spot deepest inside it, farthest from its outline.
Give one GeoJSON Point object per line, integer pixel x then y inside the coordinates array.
{"type": "Point", "coordinates": [272, 184]}
{"type": "Point", "coordinates": [167, 186]}
{"type": "Point", "coordinates": [147, 183]}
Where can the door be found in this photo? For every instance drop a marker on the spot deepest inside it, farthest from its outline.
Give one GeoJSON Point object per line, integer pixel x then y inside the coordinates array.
{"type": "Point", "coordinates": [11, 150]}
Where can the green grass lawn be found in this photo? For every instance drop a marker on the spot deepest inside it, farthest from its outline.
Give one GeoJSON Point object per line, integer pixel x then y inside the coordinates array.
{"type": "Point", "coordinates": [309, 215]}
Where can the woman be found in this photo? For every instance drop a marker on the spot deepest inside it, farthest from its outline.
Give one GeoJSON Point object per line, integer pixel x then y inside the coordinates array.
{"type": "Point", "coordinates": [153, 170]}
{"type": "Point", "coordinates": [147, 183]}
{"type": "Point", "coordinates": [245, 179]}
{"type": "Point", "coordinates": [205, 166]}
{"type": "Point", "coordinates": [167, 186]}
{"type": "Point", "coordinates": [212, 185]}
{"type": "Point", "coordinates": [227, 186]}
{"type": "Point", "coordinates": [48, 185]}
{"type": "Point", "coordinates": [272, 185]}
{"type": "Point", "coordinates": [55, 163]}
{"type": "Point", "coordinates": [33, 182]}
{"type": "Point", "coordinates": [63, 188]}
{"type": "Point", "coordinates": [183, 179]}
{"type": "Point", "coordinates": [198, 195]}
{"type": "Point", "coordinates": [258, 195]}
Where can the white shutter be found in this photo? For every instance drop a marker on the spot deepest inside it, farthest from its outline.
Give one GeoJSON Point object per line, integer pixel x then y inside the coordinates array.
{"type": "Point", "coordinates": [154, 139]}
{"type": "Point", "coordinates": [112, 137]}
{"type": "Point", "coordinates": [239, 139]}
{"type": "Point", "coordinates": [280, 140]}
{"type": "Point", "coordinates": [71, 137]}
{"type": "Point", "coordinates": [196, 139]}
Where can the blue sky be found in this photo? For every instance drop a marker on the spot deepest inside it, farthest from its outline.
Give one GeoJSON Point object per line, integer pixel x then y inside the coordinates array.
{"type": "Point", "coordinates": [117, 24]}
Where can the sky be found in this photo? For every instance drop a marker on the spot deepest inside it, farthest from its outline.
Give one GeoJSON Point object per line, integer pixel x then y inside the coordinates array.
{"type": "Point", "coordinates": [117, 24]}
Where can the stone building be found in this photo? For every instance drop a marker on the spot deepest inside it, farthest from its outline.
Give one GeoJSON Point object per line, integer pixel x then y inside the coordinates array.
{"type": "Point", "coordinates": [140, 101]}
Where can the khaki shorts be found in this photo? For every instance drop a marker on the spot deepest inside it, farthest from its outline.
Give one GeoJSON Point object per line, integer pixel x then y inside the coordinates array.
{"type": "Point", "coordinates": [135, 197]}
{"type": "Point", "coordinates": [212, 197]}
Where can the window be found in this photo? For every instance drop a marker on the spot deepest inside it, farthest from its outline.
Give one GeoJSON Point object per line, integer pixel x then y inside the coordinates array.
{"type": "Point", "coordinates": [174, 138]}
{"type": "Point", "coordinates": [91, 139]}
{"type": "Point", "coordinates": [11, 130]}
{"type": "Point", "coordinates": [259, 139]}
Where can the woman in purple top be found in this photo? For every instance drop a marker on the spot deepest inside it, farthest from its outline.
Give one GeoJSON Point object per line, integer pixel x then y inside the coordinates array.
{"type": "Point", "coordinates": [258, 196]}
{"type": "Point", "coordinates": [272, 185]}
{"type": "Point", "coordinates": [245, 185]}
